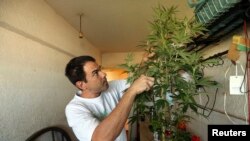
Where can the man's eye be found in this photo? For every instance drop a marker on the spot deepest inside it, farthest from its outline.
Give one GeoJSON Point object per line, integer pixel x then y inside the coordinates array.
{"type": "Point", "coordinates": [95, 73]}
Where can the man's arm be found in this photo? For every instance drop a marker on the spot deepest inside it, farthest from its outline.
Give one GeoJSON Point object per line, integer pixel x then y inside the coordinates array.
{"type": "Point", "coordinates": [110, 128]}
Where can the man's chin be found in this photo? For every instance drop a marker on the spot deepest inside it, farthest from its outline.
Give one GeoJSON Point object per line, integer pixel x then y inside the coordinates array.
{"type": "Point", "coordinates": [107, 86]}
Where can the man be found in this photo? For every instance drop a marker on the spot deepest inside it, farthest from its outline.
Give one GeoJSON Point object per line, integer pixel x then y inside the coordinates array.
{"type": "Point", "coordinates": [100, 110]}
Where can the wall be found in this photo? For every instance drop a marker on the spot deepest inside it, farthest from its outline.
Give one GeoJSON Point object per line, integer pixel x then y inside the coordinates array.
{"type": "Point", "coordinates": [234, 105]}
{"type": "Point", "coordinates": [115, 74]}
{"type": "Point", "coordinates": [35, 45]}
{"type": "Point", "coordinates": [110, 63]}
{"type": "Point", "coordinates": [113, 60]}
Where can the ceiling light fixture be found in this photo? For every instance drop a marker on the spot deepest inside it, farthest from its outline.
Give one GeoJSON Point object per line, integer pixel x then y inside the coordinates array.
{"type": "Point", "coordinates": [80, 32]}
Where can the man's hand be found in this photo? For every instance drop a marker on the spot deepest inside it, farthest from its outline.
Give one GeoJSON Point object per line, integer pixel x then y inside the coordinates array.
{"type": "Point", "coordinates": [143, 83]}
{"type": "Point", "coordinates": [110, 128]}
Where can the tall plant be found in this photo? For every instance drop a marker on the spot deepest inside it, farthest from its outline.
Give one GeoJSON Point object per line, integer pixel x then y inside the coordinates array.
{"type": "Point", "coordinates": [178, 75]}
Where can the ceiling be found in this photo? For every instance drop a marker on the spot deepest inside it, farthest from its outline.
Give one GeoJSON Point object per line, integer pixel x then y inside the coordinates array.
{"type": "Point", "coordinates": [114, 25]}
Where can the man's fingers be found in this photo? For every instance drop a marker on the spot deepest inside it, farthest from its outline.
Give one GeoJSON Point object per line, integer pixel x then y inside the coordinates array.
{"type": "Point", "coordinates": [152, 79]}
{"type": "Point", "coordinates": [148, 78]}
{"type": "Point", "coordinates": [150, 83]}
{"type": "Point", "coordinates": [143, 83]}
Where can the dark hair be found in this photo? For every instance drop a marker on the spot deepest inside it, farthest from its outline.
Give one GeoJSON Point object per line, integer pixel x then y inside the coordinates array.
{"type": "Point", "coordinates": [74, 69]}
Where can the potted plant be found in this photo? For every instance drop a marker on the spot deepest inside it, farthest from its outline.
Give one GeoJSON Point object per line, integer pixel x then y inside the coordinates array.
{"type": "Point", "coordinates": [178, 75]}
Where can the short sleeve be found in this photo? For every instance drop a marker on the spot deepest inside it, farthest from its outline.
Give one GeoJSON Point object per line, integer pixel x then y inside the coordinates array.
{"type": "Point", "coordinates": [85, 129]}
{"type": "Point", "coordinates": [120, 86]}
{"type": "Point", "coordinates": [82, 122]}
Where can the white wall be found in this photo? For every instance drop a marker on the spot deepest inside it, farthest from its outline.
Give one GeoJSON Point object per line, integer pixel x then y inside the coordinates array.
{"type": "Point", "coordinates": [35, 45]}
{"type": "Point", "coordinates": [234, 104]}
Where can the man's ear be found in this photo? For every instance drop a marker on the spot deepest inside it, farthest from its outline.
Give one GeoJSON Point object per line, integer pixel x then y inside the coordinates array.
{"type": "Point", "coordinates": [81, 85]}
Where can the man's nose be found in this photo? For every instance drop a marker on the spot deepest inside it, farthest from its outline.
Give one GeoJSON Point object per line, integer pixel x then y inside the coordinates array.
{"type": "Point", "coordinates": [103, 74]}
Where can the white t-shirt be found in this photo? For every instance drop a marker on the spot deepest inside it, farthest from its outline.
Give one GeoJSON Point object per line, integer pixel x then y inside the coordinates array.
{"type": "Point", "coordinates": [83, 115]}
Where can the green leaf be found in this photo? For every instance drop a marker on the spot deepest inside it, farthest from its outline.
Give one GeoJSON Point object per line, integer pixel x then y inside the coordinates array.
{"type": "Point", "coordinates": [193, 107]}
{"type": "Point", "coordinates": [161, 103]}
{"type": "Point", "coordinates": [167, 40]}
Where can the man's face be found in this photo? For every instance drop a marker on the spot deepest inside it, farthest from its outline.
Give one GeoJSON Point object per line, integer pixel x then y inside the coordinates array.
{"type": "Point", "coordinates": [96, 79]}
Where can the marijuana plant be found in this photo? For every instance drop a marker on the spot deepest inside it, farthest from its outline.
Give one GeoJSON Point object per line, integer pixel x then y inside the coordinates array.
{"type": "Point", "coordinates": [178, 75]}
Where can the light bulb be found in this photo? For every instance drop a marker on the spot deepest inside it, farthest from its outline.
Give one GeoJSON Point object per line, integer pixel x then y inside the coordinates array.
{"type": "Point", "coordinates": [80, 34]}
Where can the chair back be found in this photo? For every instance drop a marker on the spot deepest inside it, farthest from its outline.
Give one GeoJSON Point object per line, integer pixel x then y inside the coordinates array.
{"type": "Point", "coordinates": [52, 133]}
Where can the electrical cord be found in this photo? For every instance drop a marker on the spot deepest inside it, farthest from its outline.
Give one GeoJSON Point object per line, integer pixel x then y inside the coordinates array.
{"type": "Point", "coordinates": [247, 60]}
{"type": "Point", "coordinates": [225, 99]}
{"type": "Point", "coordinates": [215, 97]}
{"type": "Point", "coordinates": [225, 96]}
{"type": "Point", "coordinates": [204, 108]}
{"type": "Point", "coordinates": [245, 108]}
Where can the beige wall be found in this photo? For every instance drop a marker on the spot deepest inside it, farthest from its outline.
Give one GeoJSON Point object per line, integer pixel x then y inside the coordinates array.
{"type": "Point", "coordinates": [113, 60]}
{"type": "Point", "coordinates": [35, 45]}
{"type": "Point", "coordinates": [115, 74]}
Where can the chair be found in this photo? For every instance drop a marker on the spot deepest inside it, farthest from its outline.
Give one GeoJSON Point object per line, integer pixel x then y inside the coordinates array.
{"type": "Point", "coordinates": [57, 134]}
